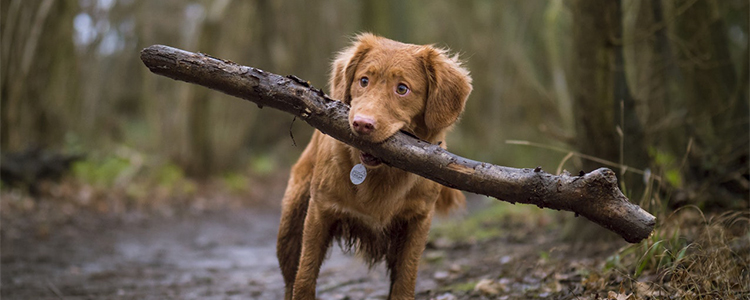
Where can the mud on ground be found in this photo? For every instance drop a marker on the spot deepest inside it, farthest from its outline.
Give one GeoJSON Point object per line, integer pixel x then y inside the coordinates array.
{"type": "Point", "coordinates": [228, 252]}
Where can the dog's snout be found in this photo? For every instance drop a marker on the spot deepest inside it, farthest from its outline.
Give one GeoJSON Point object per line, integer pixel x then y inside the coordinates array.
{"type": "Point", "coordinates": [363, 125]}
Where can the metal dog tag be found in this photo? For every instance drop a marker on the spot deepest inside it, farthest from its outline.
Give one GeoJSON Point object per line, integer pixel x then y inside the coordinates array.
{"type": "Point", "coordinates": [358, 174]}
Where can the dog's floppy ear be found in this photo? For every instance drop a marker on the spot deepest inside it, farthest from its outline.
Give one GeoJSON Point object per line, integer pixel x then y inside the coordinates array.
{"type": "Point", "coordinates": [449, 85]}
{"type": "Point", "coordinates": [345, 64]}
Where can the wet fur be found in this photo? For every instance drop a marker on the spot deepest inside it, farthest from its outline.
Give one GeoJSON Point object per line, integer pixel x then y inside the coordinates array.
{"type": "Point", "coordinates": [388, 216]}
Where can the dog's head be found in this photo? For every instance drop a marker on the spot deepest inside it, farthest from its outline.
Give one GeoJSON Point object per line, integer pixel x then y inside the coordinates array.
{"type": "Point", "coordinates": [392, 86]}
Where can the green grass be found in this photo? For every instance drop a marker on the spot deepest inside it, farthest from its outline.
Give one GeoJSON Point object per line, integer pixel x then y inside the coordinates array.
{"type": "Point", "coordinates": [690, 254]}
{"type": "Point", "coordinates": [236, 182]}
{"type": "Point", "coordinates": [101, 172]}
{"type": "Point", "coordinates": [664, 248]}
{"type": "Point", "coordinates": [496, 220]}
{"type": "Point", "coordinates": [169, 175]}
{"type": "Point", "coordinates": [460, 287]}
{"type": "Point", "coordinates": [263, 164]}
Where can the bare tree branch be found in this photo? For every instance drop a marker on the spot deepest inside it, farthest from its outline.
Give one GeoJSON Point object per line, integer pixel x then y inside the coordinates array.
{"type": "Point", "coordinates": [595, 195]}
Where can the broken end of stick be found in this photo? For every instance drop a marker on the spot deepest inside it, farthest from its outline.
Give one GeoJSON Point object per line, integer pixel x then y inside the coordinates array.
{"type": "Point", "coordinates": [637, 225]}
{"type": "Point", "coordinates": [157, 58]}
{"type": "Point", "coordinates": [649, 221]}
{"type": "Point", "coordinates": [618, 214]}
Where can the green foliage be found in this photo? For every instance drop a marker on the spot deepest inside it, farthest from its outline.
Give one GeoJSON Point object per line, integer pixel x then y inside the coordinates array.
{"type": "Point", "coordinates": [102, 172]}
{"type": "Point", "coordinates": [544, 255]}
{"type": "Point", "coordinates": [169, 175]}
{"type": "Point", "coordinates": [120, 170]}
{"type": "Point", "coordinates": [674, 177]}
{"type": "Point", "coordinates": [691, 254]}
{"type": "Point", "coordinates": [613, 261]}
{"type": "Point", "coordinates": [235, 182]}
{"type": "Point", "coordinates": [263, 164]}
{"type": "Point", "coordinates": [460, 287]}
{"type": "Point", "coordinates": [659, 253]}
{"type": "Point", "coordinates": [491, 222]}
{"type": "Point", "coordinates": [476, 227]}
{"type": "Point", "coordinates": [669, 165]}
{"type": "Point", "coordinates": [137, 191]}
{"type": "Point", "coordinates": [665, 248]}
{"type": "Point", "coordinates": [172, 178]}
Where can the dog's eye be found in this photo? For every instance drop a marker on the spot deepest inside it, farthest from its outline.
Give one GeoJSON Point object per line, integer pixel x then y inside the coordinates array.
{"type": "Point", "coordinates": [364, 81]}
{"type": "Point", "coordinates": [402, 89]}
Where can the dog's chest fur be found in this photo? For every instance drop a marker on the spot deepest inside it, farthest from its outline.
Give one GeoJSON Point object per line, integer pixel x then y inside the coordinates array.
{"type": "Point", "coordinates": [369, 215]}
{"type": "Point", "coordinates": [380, 198]}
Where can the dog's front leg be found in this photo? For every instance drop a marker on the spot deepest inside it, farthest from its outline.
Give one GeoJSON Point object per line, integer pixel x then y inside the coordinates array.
{"type": "Point", "coordinates": [403, 257]}
{"type": "Point", "coordinates": [316, 238]}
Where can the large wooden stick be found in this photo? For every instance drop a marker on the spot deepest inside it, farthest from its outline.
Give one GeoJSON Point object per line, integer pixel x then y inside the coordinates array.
{"type": "Point", "coordinates": [595, 195]}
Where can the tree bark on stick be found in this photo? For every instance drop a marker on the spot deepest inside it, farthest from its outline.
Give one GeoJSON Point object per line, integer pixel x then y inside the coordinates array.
{"type": "Point", "coordinates": [595, 195]}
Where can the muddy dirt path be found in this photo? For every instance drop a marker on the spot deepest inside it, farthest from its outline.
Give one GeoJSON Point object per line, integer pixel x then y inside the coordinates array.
{"type": "Point", "coordinates": [228, 255]}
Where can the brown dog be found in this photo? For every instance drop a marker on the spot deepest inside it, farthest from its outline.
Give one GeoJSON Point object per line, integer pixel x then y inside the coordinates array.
{"type": "Point", "coordinates": [390, 86]}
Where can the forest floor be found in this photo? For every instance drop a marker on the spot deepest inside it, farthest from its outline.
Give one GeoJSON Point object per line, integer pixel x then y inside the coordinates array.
{"type": "Point", "coordinates": [222, 246]}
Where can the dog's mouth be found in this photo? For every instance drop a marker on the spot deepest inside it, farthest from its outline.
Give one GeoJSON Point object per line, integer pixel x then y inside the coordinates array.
{"type": "Point", "coordinates": [369, 160]}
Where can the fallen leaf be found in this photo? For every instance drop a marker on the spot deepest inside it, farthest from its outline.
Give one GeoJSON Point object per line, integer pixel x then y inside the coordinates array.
{"type": "Point", "coordinates": [489, 287]}
{"type": "Point", "coordinates": [611, 295]}
{"type": "Point", "coordinates": [446, 296]}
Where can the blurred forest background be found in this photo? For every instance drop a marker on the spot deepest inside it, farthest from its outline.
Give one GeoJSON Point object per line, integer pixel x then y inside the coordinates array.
{"type": "Point", "coordinates": [657, 90]}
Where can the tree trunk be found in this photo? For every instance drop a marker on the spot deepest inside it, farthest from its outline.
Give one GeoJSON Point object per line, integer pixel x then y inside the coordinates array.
{"type": "Point", "coordinates": [631, 132]}
{"type": "Point", "coordinates": [594, 87]}
{"type": "Point", "coordinates": [716, 102]}
{"type": "Point", "coordinates": [602, 102]}
{"type": "Point", "coordinates": [37, 47]}
{"type": "Point", "coordinates": [199, 161]}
